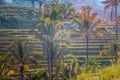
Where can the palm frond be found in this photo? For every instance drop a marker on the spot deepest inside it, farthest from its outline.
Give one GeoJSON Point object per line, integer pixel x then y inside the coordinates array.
{"type": "Point", "coordinates": [106, 7]}
{"type": "Point", "coordinates": [111, 15]}
{"type": "Point", "coordinates": [106, 2]}
{"type": "Point", "coordinates": [19, 49]}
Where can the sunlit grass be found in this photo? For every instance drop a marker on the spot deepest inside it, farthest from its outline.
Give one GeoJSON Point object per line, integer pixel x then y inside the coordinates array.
{"type": "Point", "coordinates": [107, 73]}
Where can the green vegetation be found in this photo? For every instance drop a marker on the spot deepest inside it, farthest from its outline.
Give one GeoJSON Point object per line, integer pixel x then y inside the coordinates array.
{"type": "Point", "coordinates": [20, 50]}
{"type": "Point", "coordinates": [47, 50]}
{"type": "Point", "coordinates": [106, 73]}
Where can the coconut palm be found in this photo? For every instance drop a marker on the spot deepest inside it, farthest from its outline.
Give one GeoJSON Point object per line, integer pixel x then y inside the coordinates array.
{"type": "Point", "coordinates": [86, 24]}
{"type": "Point", "coordinates": [51, 21]}
{"type": "Point", "coordinates": [20, 50]}
{"type": "Point", "coordinates": [47, 34]}
{"type": "Point", "coordinates": [113, 4]}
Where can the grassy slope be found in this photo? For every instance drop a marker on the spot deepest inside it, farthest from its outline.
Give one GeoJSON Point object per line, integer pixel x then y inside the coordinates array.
{"type": "Point", "coordinates": [17, 16]}
{"type": "Point", "coordinates": [107, 73]}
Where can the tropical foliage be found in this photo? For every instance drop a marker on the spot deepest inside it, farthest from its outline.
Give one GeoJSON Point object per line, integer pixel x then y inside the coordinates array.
{"type": "Point", "coordinates": [113, 49]}
{"type": "Point", "coordinates": [20, 49]}
{"type": "Point", "coordinates": [87, 25]}
{"type": "Point", "coordinates": [51, 21]}
{"type": "Point", "coordinates": [4, 66]}
{"type": "Point", "coordinates": [113, 4]}
{"type": "Point", "coordinates": [53, 45]}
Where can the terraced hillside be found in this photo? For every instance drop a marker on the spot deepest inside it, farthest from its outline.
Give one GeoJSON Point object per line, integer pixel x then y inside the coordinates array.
{"type": "Point", "coordinates": [96, 44]}
{"type": "Point", "coordinates": [12, 15]}
{"type": "Point", "coordinates": [77, 47]}
{"type": "Point", "coordinates": [7, 36]}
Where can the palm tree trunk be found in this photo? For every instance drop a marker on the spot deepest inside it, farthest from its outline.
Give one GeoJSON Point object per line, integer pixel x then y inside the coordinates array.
{"type": "Point", "coordinates": [21, 71]}
{"type": "Point", "coordinates": [52, 65]}
{"type": "Point", "coordinates": [49, 65]}
{"type": "Point", "coordinates": [116, 23]}
{"type": "Point", "coordinates": [87, 41]}
{"type": "Point", "coordinates": [56, 71]}
{"type": "Point", "coordinates": [49, 59]}
{"type": "Point", "coordinates": [116, 26]}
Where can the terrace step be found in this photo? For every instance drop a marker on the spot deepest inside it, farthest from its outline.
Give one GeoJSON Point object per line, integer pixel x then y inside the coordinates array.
{"type": "Point", "coordinates": [77, 46]}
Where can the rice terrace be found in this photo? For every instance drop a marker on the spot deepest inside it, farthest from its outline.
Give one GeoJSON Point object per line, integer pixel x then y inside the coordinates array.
{"type": "Point", "coordinates": [59, 39]}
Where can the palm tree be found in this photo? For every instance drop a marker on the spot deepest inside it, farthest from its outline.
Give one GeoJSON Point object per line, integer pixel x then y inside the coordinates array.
{"type": "Point", "coordinates": [51, 21]}
{"type": "Point", "coordinates": [113, 4]}
{"type": "Point", "coordinates": [86, 24]}
{"type": "Point", "coordinates": [47, 33]}
{"type": "Point", "coordinates": [20, 50]}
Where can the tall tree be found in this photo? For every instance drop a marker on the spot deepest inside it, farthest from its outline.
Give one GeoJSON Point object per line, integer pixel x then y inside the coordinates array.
{"type": "Point", "coordinates": [113, 4]}
{"type": "Point", "coordinates": [51, 21]}
{"type": "Point", "coordinates": [86, 24]}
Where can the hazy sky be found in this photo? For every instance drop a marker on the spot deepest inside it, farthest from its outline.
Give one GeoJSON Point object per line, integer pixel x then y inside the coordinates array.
{"type": "Point", "coordinates": [9, 0]}
{"type": "Point", "coordinates": [96, 4]}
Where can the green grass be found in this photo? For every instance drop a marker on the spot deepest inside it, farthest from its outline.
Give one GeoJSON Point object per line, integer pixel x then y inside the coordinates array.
{"type": "Point", "coordinates": [107, 73]}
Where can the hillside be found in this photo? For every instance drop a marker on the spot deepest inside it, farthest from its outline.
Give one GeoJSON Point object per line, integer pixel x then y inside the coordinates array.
{"type": "Point", "coordinates": [17, 16]}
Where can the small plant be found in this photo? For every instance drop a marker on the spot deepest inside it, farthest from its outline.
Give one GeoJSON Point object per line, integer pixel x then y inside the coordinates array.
{"type": "Point", "coordinates": [104, 53]}
{"type": "Point", "coordinates": [20, 50]}
{"type": "Point", "coordinates": [39, 75]}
